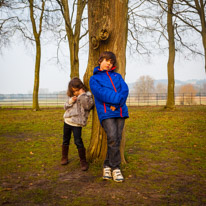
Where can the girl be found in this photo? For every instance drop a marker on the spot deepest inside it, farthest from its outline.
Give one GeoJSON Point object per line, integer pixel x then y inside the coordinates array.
{"type": "Point", "coordinates": [77, 110]}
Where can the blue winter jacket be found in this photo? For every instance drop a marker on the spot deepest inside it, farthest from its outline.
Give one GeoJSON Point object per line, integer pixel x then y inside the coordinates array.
{"type": "Point", "coordinates": [109, 89]}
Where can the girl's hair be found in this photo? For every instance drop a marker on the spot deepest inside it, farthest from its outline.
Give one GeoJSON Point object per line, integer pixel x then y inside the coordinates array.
{"type": "Point", "coordinates": [77, 84]}
{"type": "Point", "coordinates": [108, 56]}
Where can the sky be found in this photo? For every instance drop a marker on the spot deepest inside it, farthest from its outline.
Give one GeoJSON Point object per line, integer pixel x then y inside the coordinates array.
{"type": "Point", "coordinates": [17, 69]}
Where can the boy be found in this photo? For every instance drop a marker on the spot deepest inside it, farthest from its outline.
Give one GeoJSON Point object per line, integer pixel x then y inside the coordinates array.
{"type": "Point", "coordinates": [110, 93]}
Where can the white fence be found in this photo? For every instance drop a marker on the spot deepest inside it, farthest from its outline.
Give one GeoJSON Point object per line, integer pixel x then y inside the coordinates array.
{"type": "Point", "coordinates": [58, 100]}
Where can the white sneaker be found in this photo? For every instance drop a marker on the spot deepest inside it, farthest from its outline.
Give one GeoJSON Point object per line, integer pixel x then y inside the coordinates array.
{"type": "Point", "coordinates": [117, 175]}
{"type": "Point", "coordinates": [107, 174]}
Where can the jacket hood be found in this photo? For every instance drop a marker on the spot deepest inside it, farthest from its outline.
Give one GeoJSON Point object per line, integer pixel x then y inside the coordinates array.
{"type": "Point", "coordinates": [97, 69]}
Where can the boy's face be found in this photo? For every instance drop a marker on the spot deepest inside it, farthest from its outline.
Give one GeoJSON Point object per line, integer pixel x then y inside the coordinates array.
{"type": "Point", "coordinates": [106, 65]}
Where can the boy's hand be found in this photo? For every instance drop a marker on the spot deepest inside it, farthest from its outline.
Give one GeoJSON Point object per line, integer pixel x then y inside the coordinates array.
{"type": "Point", "coordinates": [113, 108]}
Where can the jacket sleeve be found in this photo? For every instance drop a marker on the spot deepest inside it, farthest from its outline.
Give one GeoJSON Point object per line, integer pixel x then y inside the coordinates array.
{"type": "Point", "coordinates": [86, 101]}
{"type": "Point", "coordinates": [104, 94]}
{"type": "Point", "coordinates": [124, 91]}
{"type": "Point", "coordinates": [69, 103]}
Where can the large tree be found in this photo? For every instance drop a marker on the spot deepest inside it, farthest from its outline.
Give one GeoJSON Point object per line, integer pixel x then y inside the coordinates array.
{"type": "Point", "coordinates": [108, 26]}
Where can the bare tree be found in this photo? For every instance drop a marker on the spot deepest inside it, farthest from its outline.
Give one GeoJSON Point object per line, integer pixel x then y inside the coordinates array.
{"type": "Point", "coordinates": [187, 93]}
{"type": "Point", "coordinates": [144, 85]}
{"type": "Point", "coordinates": [138, 30]}
{"type": "Point", "coordinates": [6, 30]}
{"type": "Point", "coordinates": [37, 30]}
{"type": "Point", "coordinates": [73, 31]}
{"type": "Point", "coordinates": [147, 18]}
{"type": "Point", "coordinates": [107, 31]}
{"type": "Point", "coordinates": [26, 17]}
{"type": "Point", "coordinates": [171, 61]}
{"type": "Point", "coordinates": [203, 89]}
{"type": "Point", "coordinates": [192, 14]}
{"type": "Point", "coordinates": [161, 88]}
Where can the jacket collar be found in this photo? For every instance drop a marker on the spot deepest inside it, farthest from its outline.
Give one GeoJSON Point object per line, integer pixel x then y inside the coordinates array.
{"type": "Point", "coordinates": [97, 69]}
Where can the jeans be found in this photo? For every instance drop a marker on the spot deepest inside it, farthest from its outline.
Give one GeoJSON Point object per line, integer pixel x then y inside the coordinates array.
{"type": "Point", "coordinates": [113, 128]}
{"type": "Point", "coordinates": [68, 129]}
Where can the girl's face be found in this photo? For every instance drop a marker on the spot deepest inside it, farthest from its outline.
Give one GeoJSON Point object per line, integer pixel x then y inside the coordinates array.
{"type": "Point", "coordinates": [75, 91]}
{"type": "Point", "coordinates": [106, 65]}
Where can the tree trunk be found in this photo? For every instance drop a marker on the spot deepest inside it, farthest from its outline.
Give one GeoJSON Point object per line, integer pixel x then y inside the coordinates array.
{"type": "Point", "coordinates": [203, 33]}
{"type": "Point", "coordinates": [36, 77]}
{"type": "Point", "coordinates": [204, 45]}
{"type": "Point", "coordinates": [170, 65]}
{"type": "Point", "coordinates": [37, 36]}
{"type": "Point", "coordinates": [108, 25]}
{"type": "Point", "coordinates": [74, 59]}
{"type": "Point", "coordinates": [200, 6]}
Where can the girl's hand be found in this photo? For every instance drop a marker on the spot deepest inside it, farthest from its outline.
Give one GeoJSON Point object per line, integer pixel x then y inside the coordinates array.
{"type": "Point", "coordinates": [81, 91]}
{"type": "Point", "coordinates": [74, 98]}
{"type": "Point", "coordinates": [113, 108]}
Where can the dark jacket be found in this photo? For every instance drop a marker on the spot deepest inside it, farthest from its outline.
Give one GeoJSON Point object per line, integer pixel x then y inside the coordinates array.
{"type": "Point", "coordinates": [109, 89]}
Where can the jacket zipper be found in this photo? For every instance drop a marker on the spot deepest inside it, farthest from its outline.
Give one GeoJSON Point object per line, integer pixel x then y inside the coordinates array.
{"type": "Point", "coordinates": [115, 91]}
{"type": "Point", "coordinates": [105, 110]}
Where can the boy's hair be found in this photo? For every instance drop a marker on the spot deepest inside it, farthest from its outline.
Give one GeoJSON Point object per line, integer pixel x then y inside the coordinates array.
{"type": "Point", "coordinates": [108, 56]}
{"type": "Point", "coordinates": [77, 84]}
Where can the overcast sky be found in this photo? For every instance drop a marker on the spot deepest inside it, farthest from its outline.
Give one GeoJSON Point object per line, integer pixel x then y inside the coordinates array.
{"type": "Point", "coordinates": [17, 70]}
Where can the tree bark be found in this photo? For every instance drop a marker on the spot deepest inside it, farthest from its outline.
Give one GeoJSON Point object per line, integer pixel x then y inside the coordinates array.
{"type": "Point", "coordinates": [74, 59]}
{"type": "Point", "coordinates": [108, 25]}
{"type": "Point", "coordinates": [170, 65]}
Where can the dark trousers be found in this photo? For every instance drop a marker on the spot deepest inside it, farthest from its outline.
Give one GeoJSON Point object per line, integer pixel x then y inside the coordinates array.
{"type": "Point", "coordinates": [113, 128]}
{"type": "Point", "coordinates": [68, 129]}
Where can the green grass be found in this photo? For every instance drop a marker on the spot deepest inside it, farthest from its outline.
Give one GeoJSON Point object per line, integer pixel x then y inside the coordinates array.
{"type": "Point", "coordinates": [165, 153]}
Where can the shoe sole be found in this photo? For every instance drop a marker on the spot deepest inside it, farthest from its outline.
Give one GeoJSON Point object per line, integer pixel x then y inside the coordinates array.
{"type": "Point", "coordinates": [118, 180]}
{"type": "Point", "coordinates": [107, 178]}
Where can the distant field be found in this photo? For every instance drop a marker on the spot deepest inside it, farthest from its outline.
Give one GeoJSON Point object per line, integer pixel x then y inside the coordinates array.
{"type": "Point", "coordinates": [165, 153]}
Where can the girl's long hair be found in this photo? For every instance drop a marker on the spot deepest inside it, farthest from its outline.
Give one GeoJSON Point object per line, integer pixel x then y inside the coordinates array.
{"type": "Point", "coordinates": [77, 84]}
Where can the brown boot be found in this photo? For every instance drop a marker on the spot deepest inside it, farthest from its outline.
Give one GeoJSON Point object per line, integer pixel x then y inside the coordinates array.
{"type": "Point", "coordinates": [65, 150]}
{"type": "Point", "coordinates": [82, 156]}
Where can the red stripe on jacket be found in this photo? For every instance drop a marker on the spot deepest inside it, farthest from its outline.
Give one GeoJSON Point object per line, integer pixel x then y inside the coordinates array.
{"type": "Point", "coordinates": [114, 90]}
{"type": "Point", "coordinates": [105, 110]}
{"type": "Point", "coordinates": [111, 81]}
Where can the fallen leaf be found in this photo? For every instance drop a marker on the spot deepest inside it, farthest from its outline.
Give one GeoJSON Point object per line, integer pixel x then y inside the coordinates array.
{"type": "Point", "coordinates": [64, 197]}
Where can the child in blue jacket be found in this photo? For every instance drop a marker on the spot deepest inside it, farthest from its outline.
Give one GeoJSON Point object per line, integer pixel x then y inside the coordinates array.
{"type": "Point", "coordinates": [110, 93]}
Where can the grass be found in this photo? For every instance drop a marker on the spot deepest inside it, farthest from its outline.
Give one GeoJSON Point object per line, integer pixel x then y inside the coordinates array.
{"type": "Point", "coordinates": [165, 153]}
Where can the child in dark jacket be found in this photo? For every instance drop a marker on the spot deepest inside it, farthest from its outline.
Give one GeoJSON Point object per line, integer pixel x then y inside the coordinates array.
{"type": "Point", "coordinates": [110, 93]}
{"type": "Point", "coordinates": [77, 110]}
